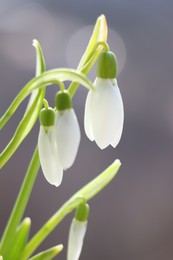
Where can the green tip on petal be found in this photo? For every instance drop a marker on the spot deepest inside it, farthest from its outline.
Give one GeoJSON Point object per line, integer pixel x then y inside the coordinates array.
{"type": "Point", "coordinates": [107, 65]}
{"type": "Point", "coordinates": [82, 212]}
{"type": "Point", "coordinates": [47, 117]}
{"type": "Point", "coordinates": [63, 100]}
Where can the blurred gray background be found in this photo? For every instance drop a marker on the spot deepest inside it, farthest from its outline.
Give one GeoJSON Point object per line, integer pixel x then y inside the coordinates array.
{"type": "Point", "coordinates": [133, 217]}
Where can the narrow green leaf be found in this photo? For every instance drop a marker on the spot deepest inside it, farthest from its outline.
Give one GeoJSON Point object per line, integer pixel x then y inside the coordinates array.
{"type": "Point", "coordinates": [48, 254]}
{"type": "Point", "coordinates": [40, 68]}
{"type": "Point", "coordinates": [91, 54]}
{"type": "Point", "coordinates": [23, 129]}
{"type": "Point", "coordinates": [31, 113]}
{"type": "Point", "coordinates": [40, 61]}
{"type": "Point", "coordinates": [84, 194]}
{"type": "Point", "coordinates": [20, 240]}
{"type": "Point", "coordinates": [20, 204]}
{"type": "Point", "coordinates": [26, 188]}
{"type": "Point", "coordinates": [99, 34]}
{"type": "Point", "coordinates": [95, 186]}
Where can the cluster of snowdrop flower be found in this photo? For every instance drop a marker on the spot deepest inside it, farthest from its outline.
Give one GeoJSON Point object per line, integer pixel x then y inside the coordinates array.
{"type": "Point", "coordinates": [59, 135]}
{"type": "Point", "coordinates": [58, 139]}
{"type": "Point", "coordinates": [58, 143]}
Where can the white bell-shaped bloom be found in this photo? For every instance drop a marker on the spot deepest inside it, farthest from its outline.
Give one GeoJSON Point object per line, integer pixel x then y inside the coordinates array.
{"type": "Point", "coordinates": [76, 238]}
{"type": "Point", "coordinates": [67, 134]}
{"type": "Point", "coordinates": [104, 113]}
{"type": "Point", "coordinates": [51, 167]}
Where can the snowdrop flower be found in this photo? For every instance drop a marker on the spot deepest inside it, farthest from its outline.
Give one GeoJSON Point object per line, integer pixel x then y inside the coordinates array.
{"type": "Point", "coordinates": [77, 232]}
{"type": "Point", "coordinates": [59, 138]}
{"type": "Point", "coordinates": [67, 131]}
{"type": "Point", "coordinates": [47, 149]}
{"type": "Point", "coordinates": [104, 112]}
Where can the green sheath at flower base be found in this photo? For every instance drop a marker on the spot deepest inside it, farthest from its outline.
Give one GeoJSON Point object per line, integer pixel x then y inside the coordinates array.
{"type": "Point", "coordinates": [47, 117]}
{"type": "Point", "coordinates": [82, 212]}
{"type": "Point", "coordinates": [63, 101]}
{"type": "Point", "coordinates": [107, 65]}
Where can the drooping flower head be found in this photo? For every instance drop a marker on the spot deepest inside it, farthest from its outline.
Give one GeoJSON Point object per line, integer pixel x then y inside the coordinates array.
{"type": "Point", "coordinates": [59, 138]}
{"type": "Point", "coordinates": [47, 149]}
{"type": "Point", "coordinates": [77, 232]}
{"type": "Point", "coordinates": [67, 131]}
{"type": "Point", "coordinates": [104, 112]}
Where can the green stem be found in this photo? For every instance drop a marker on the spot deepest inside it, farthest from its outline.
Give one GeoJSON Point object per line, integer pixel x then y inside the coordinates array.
{"type": "Point", "coordinates": [61, 85]}
{"type": "Point", "coordinates": [97, 45]}
{"type": "Point", "coordinates": [46, 78]}
{"type": "Point", "coordinates": [50, 226]}
{"type": "Point", "coordinates": [86, 193]}
{"type": "Point", "coordinates": [20, 204]}
{"type": "Point", "coordinates": [89, 63]}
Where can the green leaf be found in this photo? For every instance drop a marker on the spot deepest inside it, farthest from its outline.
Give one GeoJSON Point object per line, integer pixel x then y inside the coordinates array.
{"type": "Point", "coordinates": [99, 35]}
{"type": "Point", "coordinates": [84, 194]}
{"type": "Point", "coordinates": [96, 185]}
{"type": "Point", "coordinates": [31, 114]}
{"type": "Point", "coordinates": [92, 51]}
{"type": "Point", "coordinates": [40, 61]}
{"type": "Point", "coordinates": [20, 204]}
{"type": "Point", "coordinates": [26, 188]}
{"type": "Point", "coordinates": [40, 68]}
{"type": "Point", "coordinates": [22, 130]}
{"type": "Point", "coordinates": [48, 254]}
{"type": "Point", "coordinates": [20, 240]}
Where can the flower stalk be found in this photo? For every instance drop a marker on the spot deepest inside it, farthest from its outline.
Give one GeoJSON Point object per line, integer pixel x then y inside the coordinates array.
{"type": "Point", "coordinates": [84, 194]}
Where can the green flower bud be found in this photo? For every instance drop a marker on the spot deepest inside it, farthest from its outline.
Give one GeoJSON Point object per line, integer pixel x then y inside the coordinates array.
{"type": "Point", "coordinates": [47, 117]}
{"type": "Point", "coordinates": [82, 212]}
{"type": "Point", "coordinates": [107, 65]}
{"type": "Point", "coordinates": [63, 100]}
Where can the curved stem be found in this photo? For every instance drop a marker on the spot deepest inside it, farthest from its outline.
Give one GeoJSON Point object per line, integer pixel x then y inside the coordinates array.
{"type": "Point", "coordinates": [45, 103]}
{"type": "Point", "coordinates": [61, 85]}
{"type": "Point", "coordinates": [97, 45]}
{"type": "Point", "coordinates": [49, 226]}
{"type": "Point", "coordinates": [47, 78]}
{"type": "Point", "coordinates": [86, 193]}
{"type": "Point", "coordinates": [89, 62]}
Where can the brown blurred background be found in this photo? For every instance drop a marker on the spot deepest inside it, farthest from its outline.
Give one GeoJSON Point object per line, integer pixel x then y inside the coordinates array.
{"type": "Point", "coordinates": [133, 217]}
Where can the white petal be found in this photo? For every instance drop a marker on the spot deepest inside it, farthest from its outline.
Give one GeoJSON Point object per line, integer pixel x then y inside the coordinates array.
{"type": "Point", "coordinates": [108, 113]}
{"type": "Point", "coordinates": [52, 170]}
{"type": "Point", "coordinates": [117, 138]}
{"type": "Point", "coordinates": [67, 137]}
{"type": "Point", "coordinates": [121, 122]}
{"type": "Point", "coordinates": [75, 240]}
{"type": "Point", "coordinates": [87, 116]}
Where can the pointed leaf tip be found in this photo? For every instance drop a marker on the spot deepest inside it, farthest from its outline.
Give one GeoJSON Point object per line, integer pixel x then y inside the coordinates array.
{"type": "Point", "coordinates": [48, 254]}
{"type": "Point", "coordinates": [35, 42]}
{"type": "Point", "coordinates": [58, 248]}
